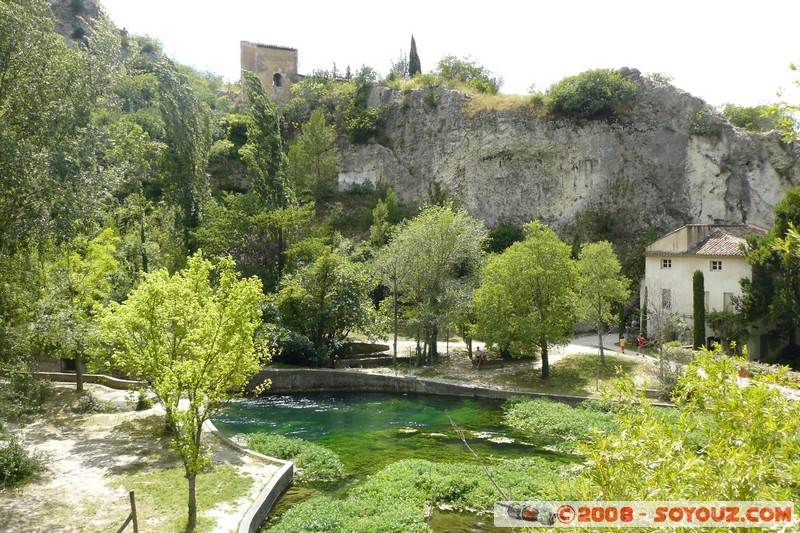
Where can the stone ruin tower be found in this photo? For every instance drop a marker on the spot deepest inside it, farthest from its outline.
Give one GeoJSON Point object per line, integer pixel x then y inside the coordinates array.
{"type": "Point", "coordinates": [275, 65]}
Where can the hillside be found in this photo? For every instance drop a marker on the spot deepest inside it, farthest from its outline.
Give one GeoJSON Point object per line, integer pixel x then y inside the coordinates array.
{"type": "Point", "coordinates": [666, 160]}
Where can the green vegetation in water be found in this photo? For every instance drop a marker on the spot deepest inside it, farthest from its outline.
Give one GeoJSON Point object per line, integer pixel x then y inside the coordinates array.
{"type": "Point", "coordinates": [315, 462]}
{"type": "Point", "coordinates": [161, 492]}
{"type": "Point", "coordinates": [544, 417]}
{"type": "Point", "coordinates": [394, 499]}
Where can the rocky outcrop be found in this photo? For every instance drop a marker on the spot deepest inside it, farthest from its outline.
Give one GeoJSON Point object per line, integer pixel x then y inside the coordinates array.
{"type": "Point", "coordinates": [669, 158]}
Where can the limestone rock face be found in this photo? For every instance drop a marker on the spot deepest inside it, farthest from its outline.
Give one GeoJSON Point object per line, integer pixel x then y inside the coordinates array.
{"type": "Point", "coordinates": [669, 158]}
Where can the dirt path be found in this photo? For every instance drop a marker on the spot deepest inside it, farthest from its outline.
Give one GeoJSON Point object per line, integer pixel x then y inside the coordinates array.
{"type": "Point", "coordinates": [83, 491]}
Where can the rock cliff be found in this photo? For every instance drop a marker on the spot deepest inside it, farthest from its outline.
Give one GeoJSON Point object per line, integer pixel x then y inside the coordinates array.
{"type": "Point", "coordinates": [668, 158]}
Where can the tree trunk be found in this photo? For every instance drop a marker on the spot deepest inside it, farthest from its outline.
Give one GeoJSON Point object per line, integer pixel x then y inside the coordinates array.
{"type": "Point", "coordinates": [192, 518]}
{"type": "Point", "coordinates": [79, 370]}
{"type": "Point", "coordinates": [600, 344]}
{"type": "Point", "coordinates": [545, 361]}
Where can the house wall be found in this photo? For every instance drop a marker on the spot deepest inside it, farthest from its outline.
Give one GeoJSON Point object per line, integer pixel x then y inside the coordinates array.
{"type": "Point", "coordinates": [266, 61]}
{"type": "Point", "coordinates": [680, 240]}
{"type": "Point", "coordinates": [678, 280]}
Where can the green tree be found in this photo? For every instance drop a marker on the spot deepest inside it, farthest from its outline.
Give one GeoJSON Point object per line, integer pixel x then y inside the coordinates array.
{"type": "Point", "coordinates": [187, 137]}
{"type": "Point", "coordinates": [414, 66]}
{"type": "Point", "coordinates": [698, 309]}
{"type": "Point", "coordinates": [325, 301]}
{"type": "Point", "coordinates": [772, 294]}
{"type": "Point", "coordinates": [78, 282]}
{"type": "Point", "coordinates": [592, 94]}
{"type": "Point", "coordinates": [312, 162]}
{"type": "Point", "coordinates": [756, 118]}
{"type": "Point", "coordinates": [470, 73]}
{"type": "Point", "coordinates": [602, 286]}
{"type": "Point", "coordinates": [190, 336]}
{"type": "Point", "coordinates": [712, 448]}
{"type": "Point", "coordinates": [529, 294]}
{"type": "Point", "coordinates": [442, 253]}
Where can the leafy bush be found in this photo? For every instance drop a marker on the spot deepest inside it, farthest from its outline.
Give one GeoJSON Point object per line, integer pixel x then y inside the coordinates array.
{"type": "Point", "coordinates": [759, 118]}
{"type": "Point", "coordinates": [470, 73]}
{"type": "Point", "coordinates": [88, 403]}
{"type": "Point", "coordinates": [24, 396]}
{"type": "Point", "coordinates": [545, 417]}
{"type": "Point", "coordinates": [669, 368]}
{"type": "Point", "coordinates": [315, 462]}
{"type": "Point", "coordinates": [592, 94]}
{"type": "Point", "coordinates": [17, 465]}
{"type": "Point", "coordinates": [288, 346]}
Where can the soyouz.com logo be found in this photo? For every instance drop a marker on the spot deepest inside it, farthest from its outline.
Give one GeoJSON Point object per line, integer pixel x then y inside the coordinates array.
{"type": "Point", "coordinates": [643, 514]}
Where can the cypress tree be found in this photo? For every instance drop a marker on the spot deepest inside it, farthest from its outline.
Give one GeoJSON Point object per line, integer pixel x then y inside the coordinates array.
{"type": "Point", "coordinates": [414, 67]}
{"type": "Point", "coordinates": [699, 310]}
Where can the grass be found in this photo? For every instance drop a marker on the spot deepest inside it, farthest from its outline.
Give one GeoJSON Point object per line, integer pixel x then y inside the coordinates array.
{"type": "Point", "coordinates": [575, 374]}
{"type": "Point", "coordinates": [162, 494]}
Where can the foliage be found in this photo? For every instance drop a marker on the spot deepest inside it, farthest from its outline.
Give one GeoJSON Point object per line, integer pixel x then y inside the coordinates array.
{"type": "Point", "coordinates": [698, 309]}
{"type": "Point", "coordinates": [17, 465]}
{"type": "Point", "coordinates": [545, 417]}
{"type": "Point", "coordinates": [88, 403]}
{"type": "Point", "coordinates": [430, 261]}
{"type": "Point", "coordinates": [292, 347]}
{"type": "Point", "coordinates": [602, 286]}
{"type": "Point", "coordinates": [23, 396]}
{"type": "Point", "coordinates": [386, 213]}
{"type": "Point", "coordinates": [528, 294]}
{"type": "Point", "coordinates": [703, 124]}
{"type": "Point", "coordinates": [325, 300]}
{"type": "Point", "coordinates": [189, 335]}
{"type": "Point", "coordinates": [469, 73]}
{"type": "Point", "coordinates": [502, 236]}
{"type": "Point", "coordinates": [312, 159]}
{"type": "Point", "coordinates": [593, 94]}
{"type": "Point", "coordinates": [394, 499]}
{"type": "Point", "coordinates": [78, 282]}
{"type": "Point", "coordinates": [670, 366]}
{"type": "Point", "coordinates": [772, 295]}
{"type": "Point", "coordinates": [316, 463]}
{"type": "Point", "coordinates": [750, 118]}
{"type": "Point", "coordinates": [414, 66]}
{"type": "Point", "coordinates": [726, 442]}
{"type": "Point", "coordinates": [731, 327]}
{"type": "Point", "coordinates": [263, 153]}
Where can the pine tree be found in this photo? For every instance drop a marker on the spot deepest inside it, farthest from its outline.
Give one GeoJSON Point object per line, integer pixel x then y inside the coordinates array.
{"type": "Point", "coordinates": [699, 311]}
{"type": "Point", "coordinates": [414, 67]}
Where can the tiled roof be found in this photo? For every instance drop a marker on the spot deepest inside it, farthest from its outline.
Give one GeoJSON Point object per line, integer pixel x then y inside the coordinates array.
{"type": "Point", "coordinates": [718, 242]}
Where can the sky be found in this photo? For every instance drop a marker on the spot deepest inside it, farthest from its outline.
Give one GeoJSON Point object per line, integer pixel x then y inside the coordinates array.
{"type": "Point", "coordinates": [722, 51]}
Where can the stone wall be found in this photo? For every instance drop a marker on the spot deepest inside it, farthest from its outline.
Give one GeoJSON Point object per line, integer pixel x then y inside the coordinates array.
{"type": "Point", "coordinates": [268, 61]}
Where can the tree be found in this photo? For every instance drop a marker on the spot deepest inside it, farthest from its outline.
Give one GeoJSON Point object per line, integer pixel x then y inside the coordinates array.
{"type": "Point", "coordinates": [414, 66]}
{"type": "Point", "coordinates": [592, 94]}
{"type": "Point", "coordinates": [714, 448]}
{"type": "Point", "coordinates": [325, 301]}
{"type": "Point", "coordinates": [469, 73]}
{"type": "Point", "coordinates": [188, 140]}
{"type": "Point", "coordinates": [77, 287]}
{"type": "Point", "coordinates": [190, 336]}
{"type": "Point", "coordinates": [528, 296]}
{"type": "Point", "coordinates": [772, 295]}
{"type": "Point", "coordinates": [602, 286]}
{"type": "Point", "coordinates": [441, 250]}
{"type": "Point", "coordinates": [698, 309]}
{"type": "Point", "coordinates": [312, 161]}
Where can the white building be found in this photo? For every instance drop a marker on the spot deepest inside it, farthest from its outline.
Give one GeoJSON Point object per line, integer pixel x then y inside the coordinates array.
{"type": "Point", "coordinates": [715, 250]}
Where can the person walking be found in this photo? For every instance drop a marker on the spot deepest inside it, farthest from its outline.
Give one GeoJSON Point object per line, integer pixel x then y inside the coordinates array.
{"type": "Point", "coordinates": [641, 344]}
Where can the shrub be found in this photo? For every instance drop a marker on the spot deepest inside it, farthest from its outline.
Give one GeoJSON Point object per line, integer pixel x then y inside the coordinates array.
{"type": "Point", "coordinates": [592, 94]}
{"type": "Point", "coordinates": [315, 462]}
{"type": "Point", "coordinates": [24, 396]}
{"type": "Point", "coordinates": [759, 118]}
{"type": "Point", "coordinates": [17, 465]}
{"type": "Point", "coordinates": [669, 368]}
{"type": "Point", "coordinates": [88, 403]}
{"type": "Point", "coordinates": [288, 346]}
{"type": "Point", "coordinates": [470, 73]}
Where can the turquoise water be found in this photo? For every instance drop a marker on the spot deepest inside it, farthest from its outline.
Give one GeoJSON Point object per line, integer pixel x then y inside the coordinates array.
{"type": "Point", "coordinates": [370, 431]}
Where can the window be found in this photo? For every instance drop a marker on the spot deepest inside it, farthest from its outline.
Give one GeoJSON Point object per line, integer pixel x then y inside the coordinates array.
{"type": "Point", "coordinates": [666, 263]}
{"type": "Point", "coordinates": [716, 265]}
{"type": "Point", "coordinates": [727, 302]}
{"type": "Point", "coordinates": [277, 80]}
{"type": "Point", "coordinates": [666, 299]}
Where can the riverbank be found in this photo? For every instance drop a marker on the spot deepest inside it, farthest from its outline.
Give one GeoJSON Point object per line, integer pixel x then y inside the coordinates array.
{"type": "Point", "coordinates": [93, 460]}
